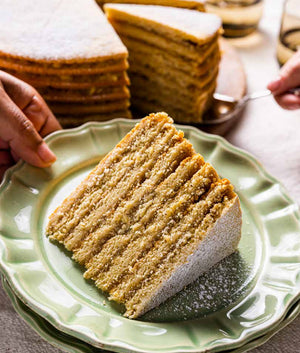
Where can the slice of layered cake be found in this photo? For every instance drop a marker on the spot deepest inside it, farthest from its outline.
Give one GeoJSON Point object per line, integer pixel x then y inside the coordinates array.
{"type": "Point", "coordinates": [186, 4]}
{"type": "Point", "coordinates": [70, 53]}
{"type": "Point", "coordinates": [150, 218]}
{"type": "Point", "coordinates": [173, 57]}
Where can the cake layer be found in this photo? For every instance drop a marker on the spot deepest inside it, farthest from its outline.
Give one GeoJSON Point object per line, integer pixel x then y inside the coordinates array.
{"type": "Point", "coordinates": [73, 82]}
{"type": "Point", "coordinates": [141, 52]}
{"type": "Point", "coordinates": [89, 108]}
{"type": "Point", "coordinates": [86, 99]}
{"type": "Point", "coordinates": [170, 211]}
{"type": "Point", "coordinates": [188, 4]}
{"type": "Point", "coordinates": [188, 99]}
{"type": "Point", "coordinates": [129, 148]}
{"type": "Point", "coordinates": [174, 77]}
{"type": "Point", "coordinates": [144, 215]}
{"type": "Point", "coordinates": [57, 68]}
{"type": "Point", "coordinates": [54, 31]}
{"type": "Point", "coordinates": [123, 192]}
{"type": "Point", "coordinates": [71, 121]}
{"type": "Point", "coordinates": [169, 47]}
{"type": "Point", "coordinates": [175, 24]}
{"type": "Point", "coordinates": [167, 99]}
{"type": "Point", "coordinates": [184, 49]}
{"type": "Point", "coordinates": [144, 106]}
{"type": "Point", "coordinates": [85, 92]}
{"type": "Point", "coordinates": [134, 210]}
{"type": "Point", "coordinates": [69, 79]}
{"type": "Point", "coordinates": [205, 246]}
{"type": "Point", "coordinates": [150, 218]}
{"type": "Point", "coordinates": [169, 246]}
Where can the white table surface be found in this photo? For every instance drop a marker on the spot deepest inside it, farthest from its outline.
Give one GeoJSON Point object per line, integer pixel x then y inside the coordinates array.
{"type": "Point", "coordinates": [268, 132]}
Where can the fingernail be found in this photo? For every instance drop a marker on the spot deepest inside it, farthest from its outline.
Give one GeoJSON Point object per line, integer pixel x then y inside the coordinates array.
{"type": "Point", "coordinates": [274, 85]}
{"type": "Point", "coordinates": [45, 153]}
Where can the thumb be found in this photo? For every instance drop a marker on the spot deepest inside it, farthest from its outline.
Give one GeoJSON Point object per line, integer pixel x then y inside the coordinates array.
{"type": "Point", "coordinates": [20, 134]}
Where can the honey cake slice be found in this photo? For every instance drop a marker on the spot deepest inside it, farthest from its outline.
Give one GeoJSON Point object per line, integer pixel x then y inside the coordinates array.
{"type": "Point", "coordinates": [185, 48]}
{"type": "Point", "coordinates": [154, 34]}
{"type": "Point", "coordinates": [150, 218]}
{"type": "Point", "coordinates": [176, 24]}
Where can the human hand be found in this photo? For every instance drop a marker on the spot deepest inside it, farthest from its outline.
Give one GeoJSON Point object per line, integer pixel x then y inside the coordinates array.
{"type": "Point", "coordinates": [24, 120]}
{"type": "Point", "coordinates": [289, 78]}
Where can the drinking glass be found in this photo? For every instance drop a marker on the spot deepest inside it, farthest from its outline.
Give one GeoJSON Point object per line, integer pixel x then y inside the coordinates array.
{"type": "Point", "coordinates": [239, 17]}
{"type": "Point", "coordinates": [289, 36]}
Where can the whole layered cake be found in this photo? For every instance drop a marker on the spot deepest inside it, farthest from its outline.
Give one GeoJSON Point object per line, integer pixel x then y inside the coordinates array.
{"type": "Point", "coordinates": [150, 218]}
{"type": "Point", "coordinates": [173, 57]}
{"type": "Point", "coordinates": [70, 53]}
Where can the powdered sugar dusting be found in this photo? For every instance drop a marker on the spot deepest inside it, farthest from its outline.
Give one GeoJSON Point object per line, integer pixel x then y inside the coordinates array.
{"type": "Point", "coordinates": [56, 30]}
{"type": "Point", "coordinates": [218, 288]}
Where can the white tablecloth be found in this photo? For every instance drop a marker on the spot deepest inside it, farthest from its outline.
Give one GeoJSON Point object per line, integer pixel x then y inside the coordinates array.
{"type": "Point", "coordinates": [267, 131]}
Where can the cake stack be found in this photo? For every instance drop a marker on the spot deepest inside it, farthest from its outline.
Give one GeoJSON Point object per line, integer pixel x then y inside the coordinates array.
{"type": "Point", "coordinates": [70, 54]}
{"type": "Point", "coordinates": [150, 218]}
{"type": "Point", "coordinates": [173, 57]}
{"type": "Point", "coordinates": [188, 4]}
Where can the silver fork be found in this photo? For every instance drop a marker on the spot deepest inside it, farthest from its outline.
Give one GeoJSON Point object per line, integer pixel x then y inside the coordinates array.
{"type": "Point", "coordinates": [226, 107]}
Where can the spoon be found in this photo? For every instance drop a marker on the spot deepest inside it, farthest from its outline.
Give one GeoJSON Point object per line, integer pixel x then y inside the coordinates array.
{"type": "Point", "coordinates": [226, 107]}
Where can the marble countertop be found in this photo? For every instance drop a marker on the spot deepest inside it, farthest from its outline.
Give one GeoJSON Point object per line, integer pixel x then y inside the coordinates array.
{"type": "Point", "coordinates": [271, 134]}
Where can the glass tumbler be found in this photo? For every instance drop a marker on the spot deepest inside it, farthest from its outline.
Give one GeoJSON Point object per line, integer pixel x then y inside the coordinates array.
{"type": "Point", "coordinates": [239, 17]}
{"type": "Point", "coordinates": [289, 36]}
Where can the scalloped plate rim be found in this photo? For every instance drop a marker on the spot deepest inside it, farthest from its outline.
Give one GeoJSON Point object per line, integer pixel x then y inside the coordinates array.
{"type": "Point", "coordinates": [54, 340]}
{"type": "Point", "coordinates": [120, 348]}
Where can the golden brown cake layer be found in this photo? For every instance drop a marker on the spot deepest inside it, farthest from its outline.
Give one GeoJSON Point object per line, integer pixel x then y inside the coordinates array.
{"type": "Point", "coordinates": [142, 105]}
{"type": "Point", "coordinates": [66, 82]}
{"type": "Point", "coordinates": [183, 49]}
{"type": "Point", "coordinates": [173, 64]}
{"type": "Point", "coordinates": [177, 25]}
{"type": "Point", "coordinates": [165, 165]}
{"type": "Point", "coordinates": [169, 246]}
{"type": "Point", "coordinates": [169, 213]}
{"type": "Point", "coordinates": [62, 68]}
{"type": "Point", "coordinates": [125, 188]}
{"type": "Point", "coordinates": [175, 78]}
{"type": "Point", "coordinates": [177, 247]}
{"type": "Point", "coordinates": [51, 80]}
{"type": "Point", "coordinates": [85, 93]}
{"type": "Point", "coordinates": [147, 207]}
{"type": "Point", "coordinates": [136, 144]}
{"type": "Point", "coordinates": [141, 52]}
{"type": "Point", "coordinates": [70, 97]}
{"type": "Point", "coordinates": [189, 100]}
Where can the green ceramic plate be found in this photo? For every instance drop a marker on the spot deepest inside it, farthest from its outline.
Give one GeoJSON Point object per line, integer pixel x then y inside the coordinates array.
{"type": "Point", "coordinates": [73, 345]}
{"type": "Point", "coordinates": [240, 299]}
